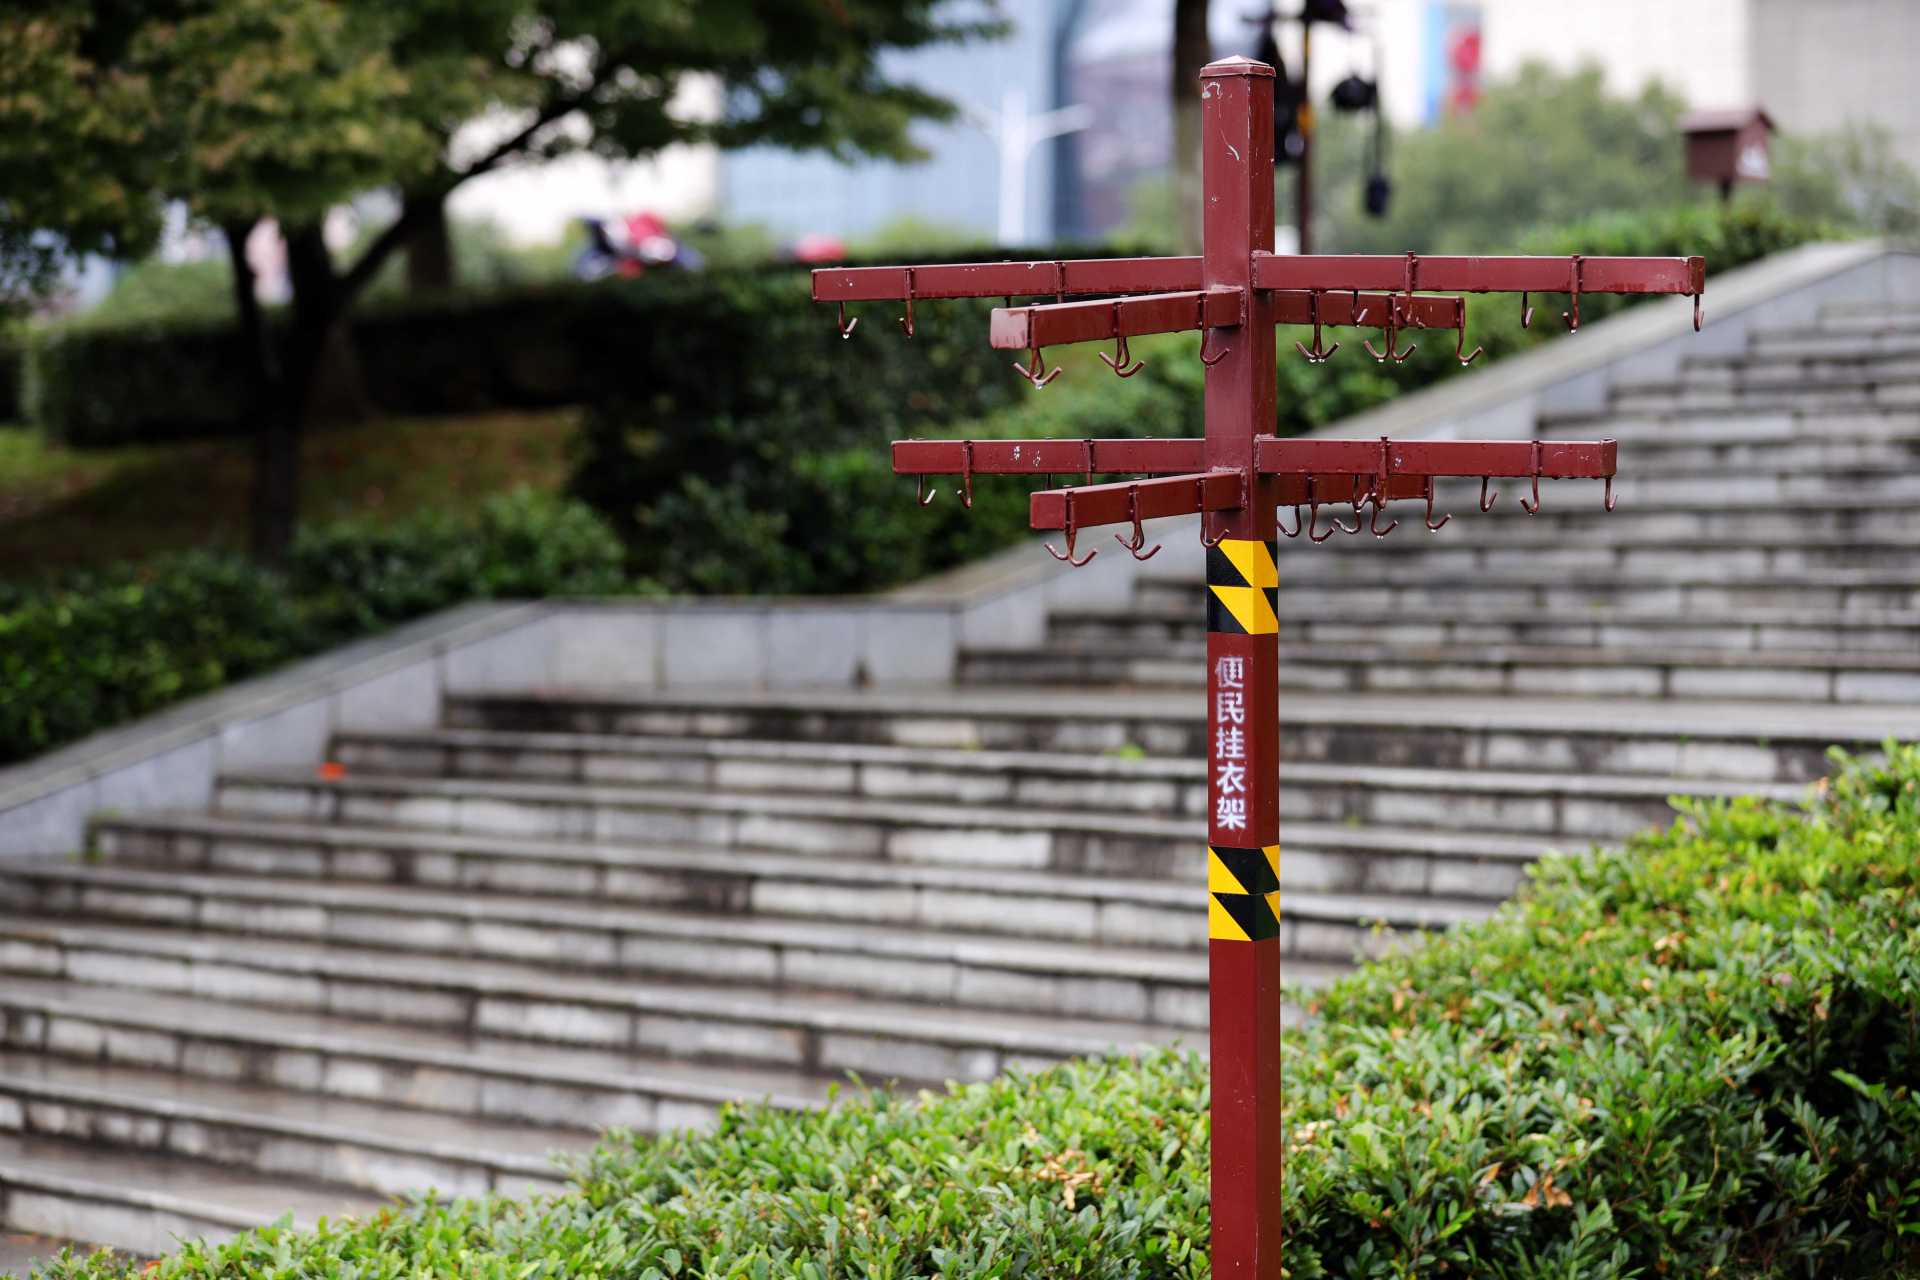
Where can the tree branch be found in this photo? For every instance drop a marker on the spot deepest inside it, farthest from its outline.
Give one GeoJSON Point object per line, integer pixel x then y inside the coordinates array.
{"type": "Point", "coordinates": [389, 241]}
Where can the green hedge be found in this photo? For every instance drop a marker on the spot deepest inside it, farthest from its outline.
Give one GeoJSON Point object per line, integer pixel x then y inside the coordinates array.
{"type": "Point", "coordinates": [97, 651]}
{"type": "Point", "coordinates": [684, 336]}
{"type": "Point", "coordinates": [1694, 1057]}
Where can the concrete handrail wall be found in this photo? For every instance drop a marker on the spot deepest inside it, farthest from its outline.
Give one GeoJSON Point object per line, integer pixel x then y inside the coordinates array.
{"type": "Point", "coordinates": [909, 637]}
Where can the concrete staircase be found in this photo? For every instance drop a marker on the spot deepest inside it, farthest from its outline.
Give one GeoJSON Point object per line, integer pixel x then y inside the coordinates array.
{"type": "Point", "coordinates": [565, 909]}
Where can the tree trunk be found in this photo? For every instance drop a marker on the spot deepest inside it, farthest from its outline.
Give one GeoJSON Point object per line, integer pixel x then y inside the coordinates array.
{"type": "Point", "coordinates": [317, 315]}
{"type": "Point", "coordinates": [1192, 50]}
{"type": "Point", "coordinates": [270, 527]}
{"type": "Point", "coordinates": [430, 248]}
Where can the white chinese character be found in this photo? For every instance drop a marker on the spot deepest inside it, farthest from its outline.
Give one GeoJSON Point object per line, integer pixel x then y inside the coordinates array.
{"type": "Point", "coordinates": [1231, 707]}
{"type": "Point", "coordinates": [1231, 672]}
{"type": "Point", "coordinates": [1230, 743]}
{"type": "Point", "coordinates": [1230, 812]}
{"type": "Point", "coordinates": [1231, 777]}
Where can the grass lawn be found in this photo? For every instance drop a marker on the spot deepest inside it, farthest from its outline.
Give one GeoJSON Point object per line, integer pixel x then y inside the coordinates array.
{"type": "Point", "coordinates": [66, 508]}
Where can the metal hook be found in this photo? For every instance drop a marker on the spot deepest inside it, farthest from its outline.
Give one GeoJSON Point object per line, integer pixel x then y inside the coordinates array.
{"type": "Point", "coordinates": [1205, 340]}
{"type": "Point", "coordinates": [1486, 502]}
{"type": "Point", "coordinates": [1316, 355]}
{"type": "Point", "coordinates": [1118, 360]}
{"type": "Point", "coordinates": [1611, 498]}
{"type": "Point", "coordinates": [1696, 313]}
{"type": "Point", "coordinates": [1139, 538]}
{"type": "Point", "coordinates": [1431, 526]}
{"type": "Point", "coordinates": [1281, 526]}
{"type": "Point", "coordinates": [1460, 343]}
{"type": "Point", "coordinates": [1381, 483]}
{"type": "Point", "coordinates": [1359, 312]}
{"type": "Point", "coordinates": [966, 475]}
{"type": "Point", "coordinates": [1313, 518]}
{"type": "Point", "coordinates": [1035, 370]}
{"type": "Point", "coordinates": [1072, 532]}
{"type": "Point", "coordinates": [1200, 501]}
{"type": "Point", "coordinates": [906, 321]}
{"type": "Point", "coordinates": [921, 493]}
{"type": "Point", "coordinates": [846, 325]}
{"type": "Point", "coordinates": [1575, 271]}
{"type": "Point", "coordinates": [1120, 357]}
{"type": "Point", "coordinates": [1526, 312]}
{"type": "Point", "coordinates": [1533, 508]}
{"type": "Point", "coordinates": [1393, 331]}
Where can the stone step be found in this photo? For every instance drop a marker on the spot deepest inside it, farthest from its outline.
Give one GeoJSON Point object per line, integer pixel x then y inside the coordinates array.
{"type": "Point", "coordinates": [1850, 313]}
{"type": "Point", "coordinates": [1857, 338]}
{"type": "Point", "coordinates": [1838, 595]}
{"type": "Point", "coordinates": [1903, 393]}
{"type": "Point", "coordinates": [566, 973]}
{"type": "Point", "coordinates": [1174, 627]}
{"type": "Point", "coordinates": [1786, 363]}
{"type": "Point", "coordinates": [1749, 742]}
{"type": "Point", "coordinates": [1730, 453]}
{"type": "Point", "coordinates": [399, 1063]}
{"type": "Point", "coordinates": [1867, 377]}
{"type": "Point", "coordinates": [672, 967]}
{"type": "Point", "coordinates": [1666, 424]}
{"type": "Point", "coordinates": [1090, 838]}
{"type": "Point", "coordinates": [1572, 519]}
{"type": "Point", "coordinates": [147, 1204]}
{"type": "Point", "coordinates": [1534, 554]}
{"type": "Point", "coordinates": [359, 1146]}
{"type": "Point", "coordinates": [1372, 667]}
{"type": "Point", "coordinates": [1156, 786]}
{"type": "Point", "coordinates": [1112, 912]}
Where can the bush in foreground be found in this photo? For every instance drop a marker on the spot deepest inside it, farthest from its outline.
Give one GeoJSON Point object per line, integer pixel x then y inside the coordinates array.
{"type": "Point", "coordinates": [1693, 1058]}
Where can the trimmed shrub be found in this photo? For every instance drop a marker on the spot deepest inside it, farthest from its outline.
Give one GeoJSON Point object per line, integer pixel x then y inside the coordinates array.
{"type": "Point", "coordinates": [1693, 1057]}
{"type": "Point", "coordinates": [99, 650]}
{"type": "Point", "coordinates": [688, 336]}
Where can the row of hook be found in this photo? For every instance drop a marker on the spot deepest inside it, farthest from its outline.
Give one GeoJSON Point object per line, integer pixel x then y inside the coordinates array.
{"type": "Point", "coordinates": [1136, 539]}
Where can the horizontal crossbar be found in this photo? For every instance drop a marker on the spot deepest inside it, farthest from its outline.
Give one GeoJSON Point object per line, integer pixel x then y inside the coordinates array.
{"type": "Point", "coordinates": [1327, 273]}
{"type": "Point", "coordinates": [1023, 328]}
{"type": "Point", "coordinates": [1118, 457]}
{"type": "Point", "coordinates": [1553, 459]}
{"type": "Point", "coordinates": [1455, 274]}
{"type": "Point", "coordinates": [1007, 279]}
{"type": "Point", "coordinates": [1055, 324]}
{"type": "Point", "coordinates": [1568, 459]}
{"type": "Point", "coordinates": [1122, 503]}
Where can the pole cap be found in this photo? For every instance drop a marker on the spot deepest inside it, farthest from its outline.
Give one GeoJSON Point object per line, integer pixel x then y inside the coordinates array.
{"type": "Point", "coordinates": [1236, 66]}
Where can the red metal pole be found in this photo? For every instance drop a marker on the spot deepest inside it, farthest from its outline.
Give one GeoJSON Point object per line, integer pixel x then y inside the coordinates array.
{"type": "Point", "coordinates": [1243, 758]}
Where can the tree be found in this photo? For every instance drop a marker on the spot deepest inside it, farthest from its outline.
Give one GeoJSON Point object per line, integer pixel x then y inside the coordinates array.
{"type": "Point", "coordinates": [246, 110]}
{"type": "Point", "coordinates": [1192, 50]}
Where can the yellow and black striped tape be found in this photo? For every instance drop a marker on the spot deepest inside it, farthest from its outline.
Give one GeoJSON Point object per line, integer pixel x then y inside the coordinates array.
{"type": "Point", "coordinates": [1243, 893]}
{"type": "Point", "coordinates": [1243, 588]}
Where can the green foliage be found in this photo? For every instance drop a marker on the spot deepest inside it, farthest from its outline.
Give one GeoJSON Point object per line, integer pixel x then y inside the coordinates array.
{"type": "Point", "coordinates": [1692, 1057]}
{"type": "Point", "coordinates": [244, 109]}
{"type": "Point", "coordinates": [157, 292]}
{"type": "Point", "coordinates": [99, 650]}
